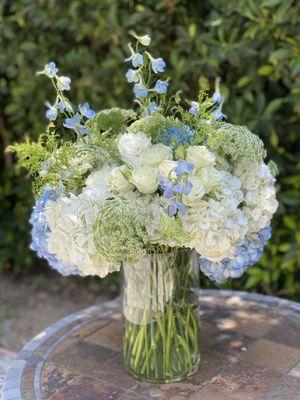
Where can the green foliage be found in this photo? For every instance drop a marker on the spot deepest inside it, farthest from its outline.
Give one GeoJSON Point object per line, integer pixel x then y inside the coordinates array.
{"type": "Point", "coordinates": [119, 231]}
{"type": "Point", "coordinates": [252, 45]}
{"type": "Point", "coordinates": [114, 119]}
{"type": "Point", "coordinates": [237, 143]}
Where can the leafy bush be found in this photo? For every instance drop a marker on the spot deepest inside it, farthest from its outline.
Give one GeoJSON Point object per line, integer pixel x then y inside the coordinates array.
{"type": "Point", "coordinates": [253, 45]}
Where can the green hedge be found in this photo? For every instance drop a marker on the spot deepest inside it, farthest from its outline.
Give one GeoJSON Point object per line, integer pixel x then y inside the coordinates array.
{"type": "Point", "coordinates": [252, 44]}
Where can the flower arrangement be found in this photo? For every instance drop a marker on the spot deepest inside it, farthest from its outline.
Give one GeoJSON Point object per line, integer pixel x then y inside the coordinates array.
{"type": "Point", "coordinates": [115, 185]}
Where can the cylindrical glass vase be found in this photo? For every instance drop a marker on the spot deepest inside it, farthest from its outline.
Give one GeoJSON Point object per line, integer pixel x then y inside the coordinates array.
{"type": "Point", "coordinates": [161, 316]}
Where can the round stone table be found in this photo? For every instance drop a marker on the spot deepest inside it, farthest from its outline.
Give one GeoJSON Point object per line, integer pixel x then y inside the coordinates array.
{"type": "Point", "coordinates": [250, 350]}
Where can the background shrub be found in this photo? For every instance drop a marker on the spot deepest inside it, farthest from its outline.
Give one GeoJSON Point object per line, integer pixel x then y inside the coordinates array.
{"type": "Point", "coordinates": [252, 44]}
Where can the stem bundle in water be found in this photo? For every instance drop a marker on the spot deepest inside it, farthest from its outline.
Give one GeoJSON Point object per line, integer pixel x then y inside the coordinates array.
{"type": "Point", "coordinates": [161, 331]}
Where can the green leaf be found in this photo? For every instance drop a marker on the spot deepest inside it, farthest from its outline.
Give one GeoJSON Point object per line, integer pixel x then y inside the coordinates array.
{"type": "Point", "coordinates": [244, 81]}
{"type": "Point", "coordinates": [265, 70]}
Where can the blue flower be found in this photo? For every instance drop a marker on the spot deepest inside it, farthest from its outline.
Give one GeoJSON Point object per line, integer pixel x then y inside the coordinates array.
{"type": "Point", "coordinates": [140, 90]}
{"type": "Point", "coordinates": [167, 187]}
{"type": "Point", "coordinates": [158, 65]}
{"type": "Point", "coordinates": [50, 70]}
{"type": "Point", "coordinates": [75, 124]}
{"type": "Point", "coordinates": [86, 111]}
{"type": "Point", "coordinates": [218, 115]}
{"type": "Point", "coordinates": [63, 82]}
{"type": "Point", "coordinates": [183, 167]}
{"type": "Point", "coordinates": [176, 206]}
{"type": "Point", "coordinates": [152, 108]}
{"type": "Point", "coordinates": [132, 76]}
{"type": "Point", "coordinates": [51, 113]}
{"type": "Point", "coordinates": [217, 98]}
{"type": "Point", "coordinates": [194, 108]}
{"type": "Point", "coordinates": [145, 40]}
{"type": "Point", "coordinates": [161, 86]}
{"type": "Point", "coordinates": [176, 136]}
{"type": "Point", "coordinates": [64, 105]}
{"type": "Point", "coordinates": [40, 233]}
{"type": "Point", "coordinates": [135, 58]}
{"type": "Point", "coordinates": [183, 188]}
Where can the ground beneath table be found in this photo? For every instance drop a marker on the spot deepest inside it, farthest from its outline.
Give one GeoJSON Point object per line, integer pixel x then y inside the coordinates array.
{"type": "Point", "coordinates": [250, 350]}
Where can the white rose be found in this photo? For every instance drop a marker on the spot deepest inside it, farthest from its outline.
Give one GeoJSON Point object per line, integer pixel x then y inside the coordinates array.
{"type": "Point", "coordinates": [200, 156]}
{"type": "Point", "coordinates": [117, 181]}
{"type": "Point", "coordinates": [155, 154]}
{"type": "Point", "coordinates": [145, 179]}
{"type": "Point", "coordinates": [165, 168]}
{"type": "Point", "coordinates": [132, 145]}
{"type": "Point", "coordinates": [196, 194]}
{"type": "Point", "coordinates": [210, 178]}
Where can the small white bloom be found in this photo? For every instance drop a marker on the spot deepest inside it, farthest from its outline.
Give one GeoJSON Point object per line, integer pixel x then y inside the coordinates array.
{"type": "Point", "coordinates": [145, 179]}
{"type": "Point", "coordinates": [132, 145]}
{"type": "Point", "coordinates": [117, 181]}
{"type": "Point", "coordinates": [155, 154]}
{"type": "Point", "coordinates": [200, 156]}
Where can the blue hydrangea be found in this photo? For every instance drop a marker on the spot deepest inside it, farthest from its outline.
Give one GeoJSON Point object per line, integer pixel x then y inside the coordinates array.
{"type": "Point", "coordinates": [75, 124]}
{"type": "Point", "coordinates": [40, 232]}
{"type": "Point", "coordinates": [246, 255]}
{"type": "Point", "coordinates": [161, 86]}
{"type": "Point", "coordinates": [86, 111]}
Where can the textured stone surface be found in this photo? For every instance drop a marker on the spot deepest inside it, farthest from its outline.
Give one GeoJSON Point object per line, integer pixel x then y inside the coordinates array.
{"type": "Point", "coordinates": [250, 351]}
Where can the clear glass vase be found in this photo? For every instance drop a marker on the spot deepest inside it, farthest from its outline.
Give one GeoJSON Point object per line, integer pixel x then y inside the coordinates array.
{"type": "Point", "coordinates": [161, 316]}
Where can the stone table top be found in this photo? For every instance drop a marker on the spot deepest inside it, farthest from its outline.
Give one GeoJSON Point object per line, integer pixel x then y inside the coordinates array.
{"type": "Point", "coordinates": [250, 350]}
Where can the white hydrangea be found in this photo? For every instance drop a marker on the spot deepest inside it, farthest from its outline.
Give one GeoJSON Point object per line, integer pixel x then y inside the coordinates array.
{"type": "Point", "coordinates": [259, 194]}
{"type": "Point", "coordinates": [217, 229]}
{"type": "Point", "coordinates": [71, 220]}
